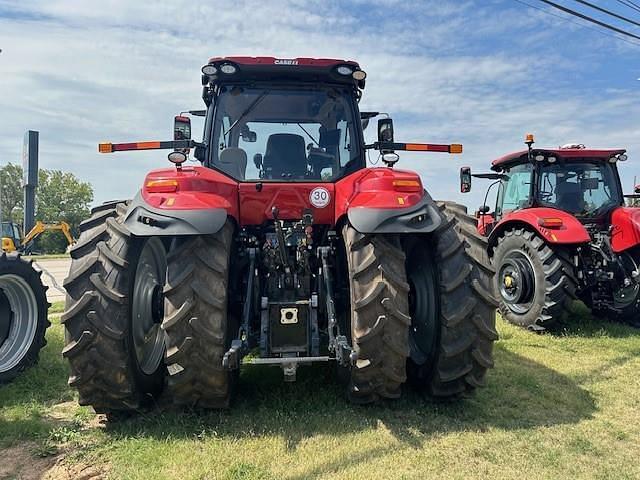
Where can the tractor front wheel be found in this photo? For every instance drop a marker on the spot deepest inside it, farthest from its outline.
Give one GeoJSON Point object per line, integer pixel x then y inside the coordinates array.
{"type": "Point", "coordinates": [535, 284]}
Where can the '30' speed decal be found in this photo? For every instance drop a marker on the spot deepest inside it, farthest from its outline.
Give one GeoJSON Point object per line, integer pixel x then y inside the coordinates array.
{"type": "Point", "coordinates": [319, 197]}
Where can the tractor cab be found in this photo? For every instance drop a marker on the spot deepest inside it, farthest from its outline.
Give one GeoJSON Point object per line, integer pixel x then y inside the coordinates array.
{"type": "Point", "coordinates": [275, 120]}
{"type": "Point", "coordinates": [582, 182]}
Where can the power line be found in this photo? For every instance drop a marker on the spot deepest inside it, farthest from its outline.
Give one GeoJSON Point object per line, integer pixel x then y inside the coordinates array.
{"type": "Point", "coordinates": [630, 4]}
{"type": "Point", "coordinates": [608, 12]}
{"type": "Point", "coordinates": [567, 19]}
{"type": "Point", "coordinates": [590, 19]}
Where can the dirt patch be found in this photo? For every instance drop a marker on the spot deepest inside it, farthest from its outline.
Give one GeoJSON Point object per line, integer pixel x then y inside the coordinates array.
{"type": "Point", "coordinates": [19, 463]}
{"type": "Point", "coordinates": [60, 471]}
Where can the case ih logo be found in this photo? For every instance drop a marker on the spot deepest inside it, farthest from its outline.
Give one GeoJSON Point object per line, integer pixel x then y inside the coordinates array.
{"type": "Point", "coordinates": [283, 61]}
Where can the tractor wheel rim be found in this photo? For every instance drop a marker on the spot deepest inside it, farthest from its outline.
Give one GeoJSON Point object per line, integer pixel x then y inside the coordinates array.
{"type": "Point", "coordinates": [626, 296]}
{"type": "Point", "coordinates": [423, 310]}
{"type": "Point", "coordinates": [517, 282]}
{"type": "Point", "coordinates": [147, 306]}
{"type": "Point", "coordinates": [20, 313]}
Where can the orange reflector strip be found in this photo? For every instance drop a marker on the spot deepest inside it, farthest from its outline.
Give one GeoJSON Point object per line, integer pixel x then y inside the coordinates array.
{"type": "Point", "coordinates": [406, 183]}
{"type": "Point", "coordinates": [105, 147]}
{"type": "Point", "coordinates": [162, 186]}
{"type": "Point", "coordinates": [550, 222]}
{"type": "Point", "coordinates": [147, 145]}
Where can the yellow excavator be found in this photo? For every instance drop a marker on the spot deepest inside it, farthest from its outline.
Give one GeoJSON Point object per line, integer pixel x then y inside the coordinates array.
{"type": "Point", "coordinates": [12, 241]}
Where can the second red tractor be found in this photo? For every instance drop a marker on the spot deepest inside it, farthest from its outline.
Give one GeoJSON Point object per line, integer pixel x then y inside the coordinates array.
{"type": "Point", "coordinates": [560, 230]}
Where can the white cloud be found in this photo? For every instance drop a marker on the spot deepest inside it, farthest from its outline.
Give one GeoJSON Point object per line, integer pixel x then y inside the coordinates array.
{"type": "Point", "coordinates": [481, 73]}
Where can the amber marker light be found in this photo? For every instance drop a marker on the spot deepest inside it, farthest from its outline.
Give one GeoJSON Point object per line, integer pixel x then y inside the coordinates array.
{"type": "Point", "coordinates": [105, 147]}
{"type": "Point", "coordinates": [550, 222]}
{"type": "Point", "coordinates": [162, 186]}
{"type": "Point", "coordinates": [407, 185]}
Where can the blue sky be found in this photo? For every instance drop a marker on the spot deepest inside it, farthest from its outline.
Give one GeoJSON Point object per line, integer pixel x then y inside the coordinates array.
{"type": "Point", "coordinates": [482, 73]}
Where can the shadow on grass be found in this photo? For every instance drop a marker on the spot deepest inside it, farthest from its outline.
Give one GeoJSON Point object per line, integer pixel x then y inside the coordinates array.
{"type": "Point", "coordinates": [520, 394]}
{"type": "Point", "coordinates": [582, 323]}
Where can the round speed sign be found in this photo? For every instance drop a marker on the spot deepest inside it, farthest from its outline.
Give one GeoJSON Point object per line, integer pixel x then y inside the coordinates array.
{"type": "Point", "coordinates": [319, 197]}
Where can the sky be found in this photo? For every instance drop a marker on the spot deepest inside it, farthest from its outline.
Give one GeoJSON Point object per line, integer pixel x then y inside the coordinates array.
{"type": "Point", "coordinates": [481, 73]}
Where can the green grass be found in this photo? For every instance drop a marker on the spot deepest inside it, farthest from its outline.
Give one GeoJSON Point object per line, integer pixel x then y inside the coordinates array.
{"type": "Point", "coordinates": [560, 405]}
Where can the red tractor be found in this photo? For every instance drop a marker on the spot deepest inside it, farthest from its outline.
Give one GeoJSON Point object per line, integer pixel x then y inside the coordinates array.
{"type": "Point", "coordinates": [560, 231]}
{"type": "Point", "coordinates": [301, 255]}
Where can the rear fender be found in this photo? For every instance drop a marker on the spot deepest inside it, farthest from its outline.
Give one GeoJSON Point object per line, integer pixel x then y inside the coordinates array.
{"type": "Point", "coordinates": [571, 231]}
{"type": "Point", "coordinates": [193, 201]}
{"type": "Point", "coordinates": [384, 200]}
{"type": "Point", "coordinates": [626, 228]}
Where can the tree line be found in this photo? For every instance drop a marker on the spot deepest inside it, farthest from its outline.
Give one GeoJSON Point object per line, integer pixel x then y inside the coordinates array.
{"type": "Point", "coordinates": [61, 196]}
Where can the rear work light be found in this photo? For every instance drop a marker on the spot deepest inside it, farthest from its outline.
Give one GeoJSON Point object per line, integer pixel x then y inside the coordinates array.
{"type": "Point", "coordinates": [209, 69]}
{"type": "Point", "coordinates": [344, 70]}
{"type": "Point", "coordinates": [228, 69]}
{"type": "Point", "coordinates": [359, 75]}
{"type": "Point", "coordinates": [162, 186]}
{"type": "Point", "coordinates": [550, 222]}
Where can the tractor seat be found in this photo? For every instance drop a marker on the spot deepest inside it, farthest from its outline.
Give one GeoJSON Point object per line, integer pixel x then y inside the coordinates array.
{"type": "Point", "coordinates": [569, 197]}
{"type": "Point", "coordinates": [233, 161]}
{"type": "Point", "coordinates": [285, 157]}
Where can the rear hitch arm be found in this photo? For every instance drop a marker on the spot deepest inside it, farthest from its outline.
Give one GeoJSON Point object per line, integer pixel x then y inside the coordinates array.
{"type": "Point", "coordinates": [240, 346]}
{"type": "Point", "coordinates": [338, 343]}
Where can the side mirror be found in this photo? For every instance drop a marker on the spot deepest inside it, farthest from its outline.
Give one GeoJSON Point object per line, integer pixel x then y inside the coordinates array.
{"type": "Point", "coordinates": [248, 135]}
{"type": "Point", "coordinates": [257, 160]}
{"type": "Point", "coordinates": [181, 128]}
{"type": "Point", "coordinates": [385, 130]}
{"type": "Point", "coordinates": [465, 180]}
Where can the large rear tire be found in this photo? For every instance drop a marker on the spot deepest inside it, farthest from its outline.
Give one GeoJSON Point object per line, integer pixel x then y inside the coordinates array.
{"type": "Point", "coordinates": [534, 283]}
{"type": "Point", "coordinates": [452, 307]}
{"type": "Point", "coordinates": [23, 316]}
{"type": "Point", "coordinates": [379, 315]}
{"type": "Point", "coordinates": [112, 337]}
{"type": "Point", "coordinates": [196, 320]}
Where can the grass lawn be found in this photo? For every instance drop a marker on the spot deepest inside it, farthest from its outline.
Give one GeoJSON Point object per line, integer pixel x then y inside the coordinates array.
{"type": "Point", "coordinates": [560, 405]}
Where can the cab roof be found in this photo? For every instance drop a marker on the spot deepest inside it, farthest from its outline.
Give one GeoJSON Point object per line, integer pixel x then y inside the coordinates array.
{"type": "Point", "coordinates": [567, 154]}
{"type": "Point", "coordinates": [304, 69]}
{"type": "Point", "coordinates": [299, 62]}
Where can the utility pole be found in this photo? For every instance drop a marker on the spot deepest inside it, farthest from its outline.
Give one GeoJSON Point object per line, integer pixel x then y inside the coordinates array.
{"type": "Point", "coordinates": [30, 177]}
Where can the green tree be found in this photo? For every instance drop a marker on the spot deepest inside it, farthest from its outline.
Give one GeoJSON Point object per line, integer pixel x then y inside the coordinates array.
{"type": "Point", "coordinates": [11, 192]}
{"type": "Point", "coordinates": [61, 196]}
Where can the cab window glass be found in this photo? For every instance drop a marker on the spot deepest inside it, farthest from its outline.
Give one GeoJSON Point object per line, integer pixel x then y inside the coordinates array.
{"type": "Point", "coordinates": [515, 189]}
{"type": "Point", "coordinates": [285, 134]}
